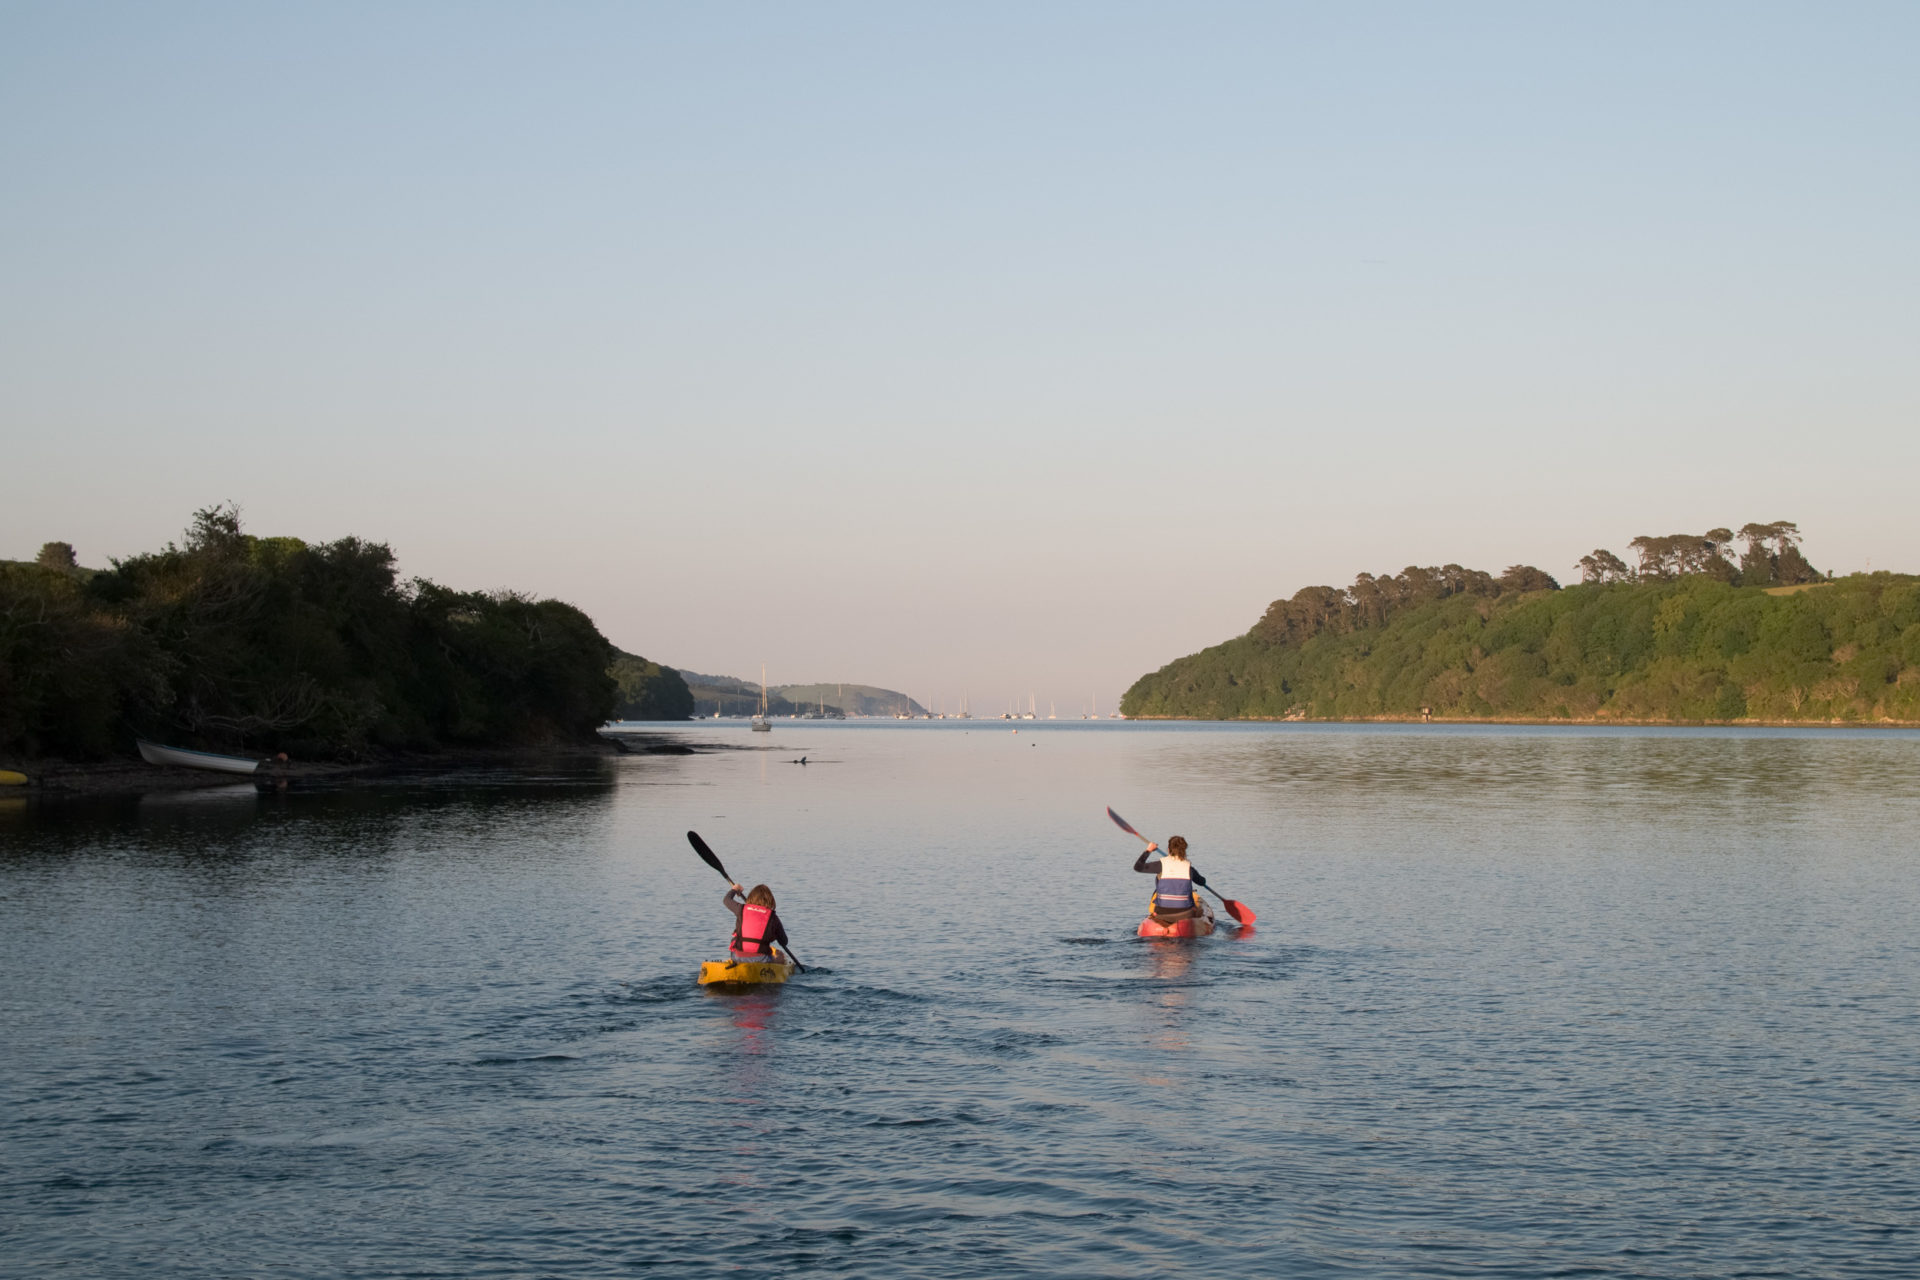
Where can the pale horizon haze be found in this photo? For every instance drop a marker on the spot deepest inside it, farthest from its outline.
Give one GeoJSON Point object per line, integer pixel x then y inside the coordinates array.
{"type": "Point", "coordinates": [998, 349]}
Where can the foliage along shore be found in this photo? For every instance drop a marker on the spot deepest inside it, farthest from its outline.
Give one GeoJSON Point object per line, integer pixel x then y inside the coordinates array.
{"type": "Point", "coordinates": [1688, 637]}
{"type": "Point", "coordinates": [234, 643]}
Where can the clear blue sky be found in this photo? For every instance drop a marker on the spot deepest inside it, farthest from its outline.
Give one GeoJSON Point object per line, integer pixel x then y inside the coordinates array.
{"type": "Point", "coordinates": [1005, 348]}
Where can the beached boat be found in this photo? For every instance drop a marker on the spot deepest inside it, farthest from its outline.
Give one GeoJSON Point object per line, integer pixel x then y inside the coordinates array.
{"type": "Point", "coordinates": [181, 757]}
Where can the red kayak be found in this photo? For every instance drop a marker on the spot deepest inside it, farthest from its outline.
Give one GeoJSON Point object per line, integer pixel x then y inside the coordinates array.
{"type": "Point", "coordinates": [1192, 927]}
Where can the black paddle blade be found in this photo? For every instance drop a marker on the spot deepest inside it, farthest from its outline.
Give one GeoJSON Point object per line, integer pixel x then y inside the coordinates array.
{"type": "Point", "coordinates": [1121, 823]}
{"type": "Point", "coordinates": [707, 855]}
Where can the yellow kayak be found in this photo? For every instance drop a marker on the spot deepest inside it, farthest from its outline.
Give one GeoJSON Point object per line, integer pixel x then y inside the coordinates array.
{"type": "Point", "coordinates": [744, 972]}
{"type": "Point", "coordinates": [8, 778]}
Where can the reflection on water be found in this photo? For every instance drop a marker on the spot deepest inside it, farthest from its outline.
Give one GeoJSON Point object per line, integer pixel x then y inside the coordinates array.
{"type": "Point", "coordinates": [1777, 774]}
{"type": "Point", "coordinates": [1520, 1001]}
{"type": "Point", "coordinates": [749, 1085]}
{"type": "Point", "coordinates": [1172, 962]}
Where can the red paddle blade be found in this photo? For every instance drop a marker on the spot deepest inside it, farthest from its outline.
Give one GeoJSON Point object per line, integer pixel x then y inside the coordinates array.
{"type": "Point", "coordinates": [1239, 911]}
{"type": "Point", "coordinates": [1121, 823]}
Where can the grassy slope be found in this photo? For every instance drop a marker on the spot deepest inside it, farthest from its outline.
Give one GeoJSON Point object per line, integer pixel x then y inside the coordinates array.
{"type": "Point", "coordinates": [1691, 650]}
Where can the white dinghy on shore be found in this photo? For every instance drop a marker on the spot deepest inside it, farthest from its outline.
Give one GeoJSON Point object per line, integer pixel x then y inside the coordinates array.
{"type": "Point", "coordinates": [154, 753]}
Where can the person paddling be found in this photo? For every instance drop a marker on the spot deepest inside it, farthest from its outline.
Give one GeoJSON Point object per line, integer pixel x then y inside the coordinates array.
{"type": "Point", "coordinates": [756, 925]}
{"type": "Point", "coordinates": [1174, 881]}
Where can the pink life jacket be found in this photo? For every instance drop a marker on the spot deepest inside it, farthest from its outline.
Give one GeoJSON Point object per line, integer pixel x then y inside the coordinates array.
{"type": "Point", "coordinates": [750, 938]}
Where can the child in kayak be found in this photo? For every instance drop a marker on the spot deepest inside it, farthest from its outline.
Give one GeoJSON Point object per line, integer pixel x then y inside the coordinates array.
{"type": "Point", "coordinates": [756, 925]}
{"type": "Point", "coordinates": [1174, 884]}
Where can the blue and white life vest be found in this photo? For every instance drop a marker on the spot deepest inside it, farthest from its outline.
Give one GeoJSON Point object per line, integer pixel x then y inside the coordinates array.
{"type": "Point", "coordinates": [1173, 887]}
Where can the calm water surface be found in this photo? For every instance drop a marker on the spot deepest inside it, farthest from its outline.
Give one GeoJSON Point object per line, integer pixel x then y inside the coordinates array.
{"type": "Point", "coordinates": [1519, 1002]}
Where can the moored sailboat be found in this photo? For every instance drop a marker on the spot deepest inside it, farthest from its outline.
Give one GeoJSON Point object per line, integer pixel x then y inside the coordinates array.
{"type": "Point", "coordinates": [760, 724]}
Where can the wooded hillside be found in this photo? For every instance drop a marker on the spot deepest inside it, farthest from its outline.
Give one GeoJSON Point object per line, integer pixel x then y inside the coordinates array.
{"type": "Point", "coordinates": [1679, 638]}
{"type": "Point", "coordinates": [251, 645]}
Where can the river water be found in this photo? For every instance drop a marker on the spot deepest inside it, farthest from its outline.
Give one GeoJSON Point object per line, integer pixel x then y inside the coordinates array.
{"type": "Point", "coordinates": [1519, 1002]}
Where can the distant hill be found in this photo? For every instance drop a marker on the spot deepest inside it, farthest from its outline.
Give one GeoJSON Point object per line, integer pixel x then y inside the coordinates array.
{"type": "Point", "coordinates": [736, 697]}
{"type": "Point", "coordinates": [731, 697]}
{"type": "Point", "coordinates": [851, 699]}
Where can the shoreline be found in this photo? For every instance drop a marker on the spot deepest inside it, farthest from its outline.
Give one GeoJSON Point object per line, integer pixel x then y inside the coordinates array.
{"type": "Point", "coordinates": [130, 775]}
{"type": "Point", "coordinates": [127, 775]}
{"type": "Point", "coordinates": [1576, 722]}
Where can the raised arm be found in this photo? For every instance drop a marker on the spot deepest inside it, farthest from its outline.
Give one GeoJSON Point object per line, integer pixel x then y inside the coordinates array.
{"type": "Point", "coordinates": [1144, 867]}
{"type": "Point", "coordinates": [735, 900]}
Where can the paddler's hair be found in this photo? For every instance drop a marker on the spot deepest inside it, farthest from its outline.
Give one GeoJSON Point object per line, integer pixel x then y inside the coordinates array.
{"type": "Point", "coordinates": [1177, 846]}
{"type": "Point", "coordinates": [760, 896]}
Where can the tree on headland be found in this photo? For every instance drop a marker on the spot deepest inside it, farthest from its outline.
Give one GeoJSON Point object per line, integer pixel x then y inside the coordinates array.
{"type": "Point", "coordinates": [1773, 556]}
{"type": "Point", "coordinates": [1604, 566]}
{"type": "Point", "coordinates": [1524, 577]}
{"type": "Point", "coordinates": [1716, 564]}
{"type": "Point", "coordinates": [1678, 554]}
{"type": "Point", "coordinates": [57, 556]}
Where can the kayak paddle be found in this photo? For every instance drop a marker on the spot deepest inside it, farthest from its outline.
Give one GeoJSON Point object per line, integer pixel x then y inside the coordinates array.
{"type": "Point", "coordinates": [712, 859]}
{"type": "Point", "coordinates": [1240, 911]}
{"type": "Point", "coordinates": [709, 857]}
